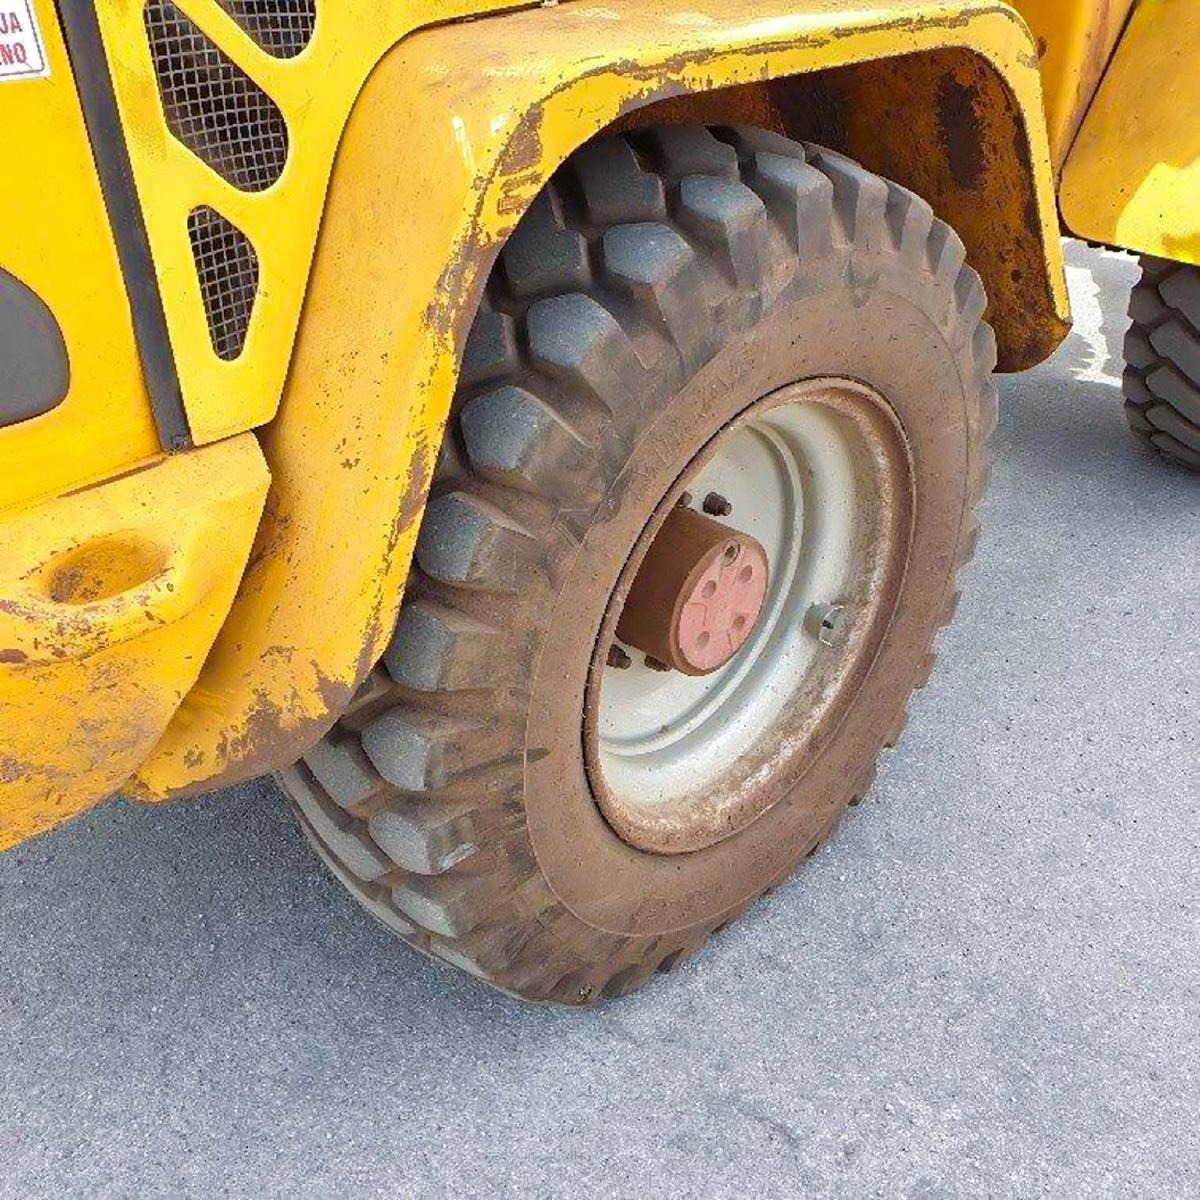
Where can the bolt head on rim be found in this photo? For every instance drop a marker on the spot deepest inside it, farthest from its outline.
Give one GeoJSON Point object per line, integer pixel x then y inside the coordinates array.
{"type": "Point", "coordinates": [814, 486]}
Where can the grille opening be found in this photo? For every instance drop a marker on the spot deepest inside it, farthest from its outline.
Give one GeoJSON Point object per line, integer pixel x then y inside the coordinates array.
{"type": "Point", "coordinates": [227, 266]}
{"type": "Point", "coordinates": [280, 27]}
{"type": "Point", "coordinates": [211, 105]}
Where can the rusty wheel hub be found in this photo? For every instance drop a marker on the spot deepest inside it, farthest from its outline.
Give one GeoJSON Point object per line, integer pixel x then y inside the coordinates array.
{"type": "Point", "coordinates": [697, 595]}
{"type": "Point", "coordinates": [737, 619]}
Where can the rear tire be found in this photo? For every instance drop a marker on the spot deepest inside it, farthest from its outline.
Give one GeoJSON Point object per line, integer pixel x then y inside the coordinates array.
{"type": "Point", "coordinates": [1162, 355]}
{"type": "Point", "coordinates": [665, 281]}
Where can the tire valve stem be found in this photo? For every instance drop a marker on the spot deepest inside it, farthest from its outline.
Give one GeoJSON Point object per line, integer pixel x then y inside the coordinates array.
{"type": "Point", "coordinates": [618, 658]}
{"type": "Point", "coordinates": [824, 620]}
{"type": "Point", "coordinates": [656, 664]}
{"type": "Point", "coordinates": [716, 505]}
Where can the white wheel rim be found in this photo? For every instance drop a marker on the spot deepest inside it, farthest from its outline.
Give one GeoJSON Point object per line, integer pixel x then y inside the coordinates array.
{"type": "Point", "coordinates": [801, 470]}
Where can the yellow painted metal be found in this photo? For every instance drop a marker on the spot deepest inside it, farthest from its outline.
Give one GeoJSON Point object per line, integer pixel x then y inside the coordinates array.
{"type": "Point", "coordinates": [109, 600]}
{"type": "Point", "coordinates": [1133, 176]}
{"type": "Point", "coordinates": [315, 91]}
{"type": "Point", "coordinates": [56, 240]}
{"type": "Point", "coordinates": [1075, 39]}
{"type": "Point", "coordinates": [454, 133]}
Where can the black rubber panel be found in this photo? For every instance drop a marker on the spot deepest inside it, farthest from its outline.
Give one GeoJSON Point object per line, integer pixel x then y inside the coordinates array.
{"type": "Point", "coordinates": [1162, 360]}
{"type": "Point", "coordinates": [645, 256]}
{"type": "Point", "coordinates": [90, 67]}
{"type": "Point", "coordinates": [36, 371]}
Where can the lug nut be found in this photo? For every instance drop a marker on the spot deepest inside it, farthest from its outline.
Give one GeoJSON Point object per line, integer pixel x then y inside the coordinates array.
{"type": "Point", "coordinates": [684, 501]}
{"type": "Point", "coordinates": [656, 664]}
{"type": "Point", "coordinates": [824, 620]}
{"type": "Point", "coordinates": [716, 505]}
{"type": "Point", "coordinates": [618, 658]}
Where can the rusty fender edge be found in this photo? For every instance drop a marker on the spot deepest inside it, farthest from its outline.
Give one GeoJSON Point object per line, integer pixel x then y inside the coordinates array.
{"type": "Point", "coordinates": [451, 137]}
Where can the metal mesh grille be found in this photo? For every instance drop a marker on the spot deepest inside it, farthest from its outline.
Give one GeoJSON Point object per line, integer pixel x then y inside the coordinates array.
{"type": "Point", "coordinates": [228, 269]}
{"type": "Point", "coordinates": [281, 27]}
{"type": "Point", "coordinates": [215, 109]}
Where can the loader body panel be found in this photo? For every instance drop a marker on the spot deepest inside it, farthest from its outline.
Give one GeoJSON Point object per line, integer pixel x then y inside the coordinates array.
{"type": "Point", "coordinates": [118, 563]}
{"type": "Point", "coordinates": [1133, 176]}
{"type": "Point", "coordinates": [1075, 39]}
{"type": "Point", "coordinates": [75, 410]}
{"type": "Point", "coordinates": [231, 140]}
{"type": "Point", "coordinates": [110, 598]}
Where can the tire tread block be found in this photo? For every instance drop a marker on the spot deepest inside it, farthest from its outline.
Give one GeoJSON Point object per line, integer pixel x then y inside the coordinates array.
{"type": "Point", "coordinates": [729, 218]}
{"type": "Point", "coordinates": [515, 438]}
{"type": "Point", "coordinates": [1161, 381]}
{"type": "Point", "coordinates": [437, 648]}
{"type": "Point", "coordinates": [657, 267]}
{"type": "Point", "coordinates": [467, 542]}
{"type": "Point", "coordinates": [542, 255]}
{"type": "Point", "coordinates": [360, 856]}
{"type": "Point", "coordinates": [422, 750]}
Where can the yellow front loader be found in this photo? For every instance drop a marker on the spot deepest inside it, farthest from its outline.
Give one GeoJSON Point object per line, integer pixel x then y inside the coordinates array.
{"type": "Point", "coordinates": [545, 434]}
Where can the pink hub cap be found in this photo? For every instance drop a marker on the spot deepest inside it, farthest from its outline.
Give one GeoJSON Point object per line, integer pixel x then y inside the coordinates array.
{"type": "Point", "coordinates": [718, 615]}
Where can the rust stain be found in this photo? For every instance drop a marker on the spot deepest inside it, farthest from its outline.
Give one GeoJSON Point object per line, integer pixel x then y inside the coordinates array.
{"type": "Point", "coordinates": [524, 149]}
{"type": "Point", "coordinates": [412, 503]}
{"type": "Point", "coordinates": [961, 131]}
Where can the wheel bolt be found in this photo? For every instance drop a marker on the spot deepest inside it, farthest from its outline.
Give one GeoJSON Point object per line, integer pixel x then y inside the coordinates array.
{"type": "Point", "coordinates": [684, 501]}
{"type": "Point", "coordinates": [716, 505]}
{"type": "Point", "coordinates": [618, 658]}
{"type": "Point", "coordinates": [825, 620]}
{"type": "Point", "coordinates": [656, 664]}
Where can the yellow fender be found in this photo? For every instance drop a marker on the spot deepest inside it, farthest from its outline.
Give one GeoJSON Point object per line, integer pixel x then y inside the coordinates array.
{"type": "Point", "coordinates": [454, 133]}
{"type": "Point", "coordinates": [1133, 175]}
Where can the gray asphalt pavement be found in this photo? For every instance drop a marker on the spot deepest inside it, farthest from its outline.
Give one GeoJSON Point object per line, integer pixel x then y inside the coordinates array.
{"type": "Point", "coordinates": [988, 984]}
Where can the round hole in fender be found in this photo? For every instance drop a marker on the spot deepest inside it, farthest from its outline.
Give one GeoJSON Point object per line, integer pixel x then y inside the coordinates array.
{"type": "Point", "coordinates": [102, 568]}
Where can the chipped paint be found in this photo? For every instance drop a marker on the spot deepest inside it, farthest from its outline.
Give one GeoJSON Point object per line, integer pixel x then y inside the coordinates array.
{"type": "Point", "coordinates": [101, 642]}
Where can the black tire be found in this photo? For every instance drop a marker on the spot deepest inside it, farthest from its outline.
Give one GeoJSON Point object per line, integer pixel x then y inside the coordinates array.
{"type": "Point", "coordinates": [1162, 356]}
{"type": "Point", "coordinates": [418, 799]}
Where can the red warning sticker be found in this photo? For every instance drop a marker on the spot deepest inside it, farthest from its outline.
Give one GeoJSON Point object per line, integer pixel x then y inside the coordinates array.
{"type": "Point", "coordinates": [22, 52]}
